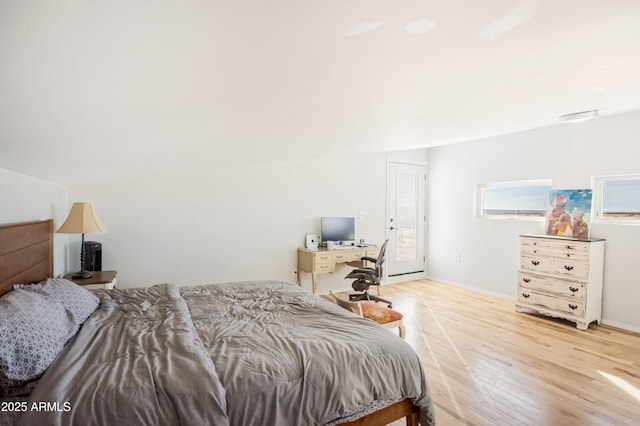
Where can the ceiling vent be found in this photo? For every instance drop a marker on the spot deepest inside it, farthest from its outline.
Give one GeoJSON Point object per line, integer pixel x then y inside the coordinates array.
{"type": "Point", "coordinates": [577, 117]}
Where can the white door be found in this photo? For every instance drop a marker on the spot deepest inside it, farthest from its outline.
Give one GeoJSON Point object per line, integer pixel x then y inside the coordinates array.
{"type": "Point", "coordinates": [406, 221]}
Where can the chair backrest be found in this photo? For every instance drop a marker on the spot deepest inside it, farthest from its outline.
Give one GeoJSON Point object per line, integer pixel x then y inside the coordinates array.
{"type": "Point", "coordinates": [381, 257]}
{"type": "Point", "coordinates": [354, 307]}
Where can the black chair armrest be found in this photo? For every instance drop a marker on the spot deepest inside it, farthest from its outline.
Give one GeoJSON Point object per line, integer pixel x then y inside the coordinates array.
{"type": "Point", "coordinates": [365, 273]}
{"type": "Point", "coordinates": [370, 259]}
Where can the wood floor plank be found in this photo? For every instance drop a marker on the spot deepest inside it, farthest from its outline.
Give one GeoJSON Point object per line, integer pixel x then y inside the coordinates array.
{"type": "Point", "coordinates": [489, 365]}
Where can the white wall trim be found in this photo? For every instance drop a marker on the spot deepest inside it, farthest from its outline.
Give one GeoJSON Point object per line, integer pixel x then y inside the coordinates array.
{"type": "Point", "coordinates": [621, 326]}
{"type": "Point", "coordinates": [405, 278]}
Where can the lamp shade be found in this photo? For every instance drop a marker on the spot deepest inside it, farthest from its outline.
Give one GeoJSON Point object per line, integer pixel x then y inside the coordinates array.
{"type": "Point", "coordinates": [82, 219]}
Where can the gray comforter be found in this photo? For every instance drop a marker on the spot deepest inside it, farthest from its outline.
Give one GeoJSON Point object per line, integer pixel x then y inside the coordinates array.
{"type": "Point", "coordinates": [254, 353]}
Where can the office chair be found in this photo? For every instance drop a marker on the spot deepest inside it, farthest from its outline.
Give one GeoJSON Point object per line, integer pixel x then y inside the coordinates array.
{"type": "Point", "coordinates": [366, 277]}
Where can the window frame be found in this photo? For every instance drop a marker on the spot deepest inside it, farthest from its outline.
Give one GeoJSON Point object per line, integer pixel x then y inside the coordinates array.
{"type": "Point", "coordinates": [478, 202]}
{"type": "Point", "coordinates": [597, 184]}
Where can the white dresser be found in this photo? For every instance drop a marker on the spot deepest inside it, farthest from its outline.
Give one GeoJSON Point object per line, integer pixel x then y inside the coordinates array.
{"type": "Point", "coordinates": [561, 277]}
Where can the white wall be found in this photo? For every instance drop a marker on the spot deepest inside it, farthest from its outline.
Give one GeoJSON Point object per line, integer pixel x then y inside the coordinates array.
{"type": "Point", "coordinates": [25, 198]}
{"type": "Point", "coordinates": [570, 155]}
{"type": "Point", "coordinates": [237, 223]}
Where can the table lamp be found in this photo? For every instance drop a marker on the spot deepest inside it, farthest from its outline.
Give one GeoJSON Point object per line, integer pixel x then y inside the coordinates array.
{"type": "Point", "coordinates": [82, 220]}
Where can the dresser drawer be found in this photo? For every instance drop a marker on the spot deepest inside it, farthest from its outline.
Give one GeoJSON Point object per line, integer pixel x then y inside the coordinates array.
{"type": "Point", "coordinates": [570, 250]}
{"type": "Point", "coordinates": [570, 246]}
{"type": "Point", "coordinates": [535, 263]}
{"type": "Point", "coordinates": [572, 307]}
{"type": "Point", "coordinates": [536, 246]}
{"type": "Point", "coordinates": [570, 289]}
{"type": "Point", "coordinates": [563, 254]}
{"type": "Point", "coordinates": [570, 268]}
{"type": "Point", "coordinates": [561, 249]}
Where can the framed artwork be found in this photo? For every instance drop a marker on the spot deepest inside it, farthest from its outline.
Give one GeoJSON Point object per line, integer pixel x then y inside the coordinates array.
{"type": "Point", "coordinates": [569, 212]}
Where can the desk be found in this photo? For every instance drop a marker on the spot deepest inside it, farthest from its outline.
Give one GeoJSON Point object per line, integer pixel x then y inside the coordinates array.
{"type": "Point", "coordinates": [323, 261]}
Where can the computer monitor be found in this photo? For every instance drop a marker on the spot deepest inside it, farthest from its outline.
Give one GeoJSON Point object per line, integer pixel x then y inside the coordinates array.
{"type": "Point", "coordinates": [340, 229]}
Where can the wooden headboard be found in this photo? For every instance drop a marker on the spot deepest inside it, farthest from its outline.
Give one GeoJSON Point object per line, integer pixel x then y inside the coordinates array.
{"type": "Point", "coordinates": [26, 253]}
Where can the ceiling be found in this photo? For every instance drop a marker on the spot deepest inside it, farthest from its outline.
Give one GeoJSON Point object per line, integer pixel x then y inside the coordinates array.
{"type": "Point", "coordinates": [108, 88]}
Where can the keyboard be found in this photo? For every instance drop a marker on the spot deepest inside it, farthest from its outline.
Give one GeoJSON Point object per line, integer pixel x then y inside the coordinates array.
{"type": "Point", "coordinates": [343, 247]}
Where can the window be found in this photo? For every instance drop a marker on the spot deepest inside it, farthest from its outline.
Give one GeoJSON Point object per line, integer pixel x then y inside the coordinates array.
{"type": "Point", "coordinates": [513, 200]}
{"type": "Point", "coordinates": [617, 199]}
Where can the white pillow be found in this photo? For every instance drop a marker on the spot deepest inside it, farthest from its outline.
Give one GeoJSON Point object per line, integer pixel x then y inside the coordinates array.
{"type": "Point", "coordinates": [33, 331]}
{"type": "Point", "coordinates": [78, 302]}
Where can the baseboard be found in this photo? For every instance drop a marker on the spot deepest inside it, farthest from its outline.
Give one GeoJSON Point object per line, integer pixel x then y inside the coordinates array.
{"type": "Point", "coordinates": [620, 325]}
{"type": "Point", "coordinates": [604, 321]}
{"type": "Point", "coordinates": [405, 278]}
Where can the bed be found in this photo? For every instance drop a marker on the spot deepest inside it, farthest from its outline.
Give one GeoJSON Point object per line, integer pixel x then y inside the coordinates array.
{"type": "Point", "coordinates": [244, 353]}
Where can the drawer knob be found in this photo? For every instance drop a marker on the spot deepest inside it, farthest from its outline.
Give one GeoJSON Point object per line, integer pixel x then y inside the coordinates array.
{"type": "Point", "coordinates": [535, 262]}
{"type": "Point", "coordinates": [572, 306]}
{"type": "Point", "coordinates": [525, 295]}
{"type": "Point", "coordinates": [573, 289]}
{"type": "Point", "coordinates": [568, 267]}
{"type": "Point", "coordinates": [526, 280]}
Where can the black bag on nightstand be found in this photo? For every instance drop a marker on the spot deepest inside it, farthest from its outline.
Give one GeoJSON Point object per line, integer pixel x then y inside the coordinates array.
{"type": "Point", "coordinates": [92, 256]}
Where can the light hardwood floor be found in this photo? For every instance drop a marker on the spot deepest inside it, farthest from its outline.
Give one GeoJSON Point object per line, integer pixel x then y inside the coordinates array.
{"type": "Point", "coordinates": [488, 365]}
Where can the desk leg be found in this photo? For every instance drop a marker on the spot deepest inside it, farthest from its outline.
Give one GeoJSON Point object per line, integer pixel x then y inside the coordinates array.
{"type": "Point", "coordinates": [299, 272]}
{"type": "Point", "coordinates": [313, 280]}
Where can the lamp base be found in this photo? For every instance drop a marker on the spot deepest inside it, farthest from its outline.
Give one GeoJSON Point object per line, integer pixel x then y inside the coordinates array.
{"type": "Point", "coordinates": [81, 275]}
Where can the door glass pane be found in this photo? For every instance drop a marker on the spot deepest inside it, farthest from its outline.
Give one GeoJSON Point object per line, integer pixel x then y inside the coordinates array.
{"type": "Point", "coordinates": [407, 217]}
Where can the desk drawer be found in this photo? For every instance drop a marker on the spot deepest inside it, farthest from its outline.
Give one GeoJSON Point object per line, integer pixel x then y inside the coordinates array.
{"type": "Point", "coordinates": [348, 255]}
{"type": "Point", "coordinates": [323, 257]}
{"type": "Point", "coordinates": [321, 267]}
{"type": "Point", "coordinates": [373, 252]}
{"type": "Point", "coordinates": [324, 262]}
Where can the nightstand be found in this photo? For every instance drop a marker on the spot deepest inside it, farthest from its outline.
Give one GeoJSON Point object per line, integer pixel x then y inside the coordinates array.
{"type": "Point", "coordinates": [100, 280]}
